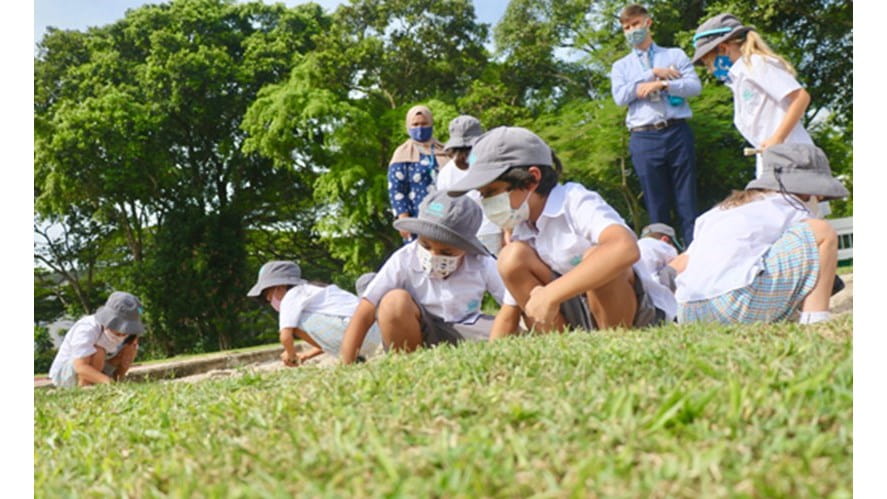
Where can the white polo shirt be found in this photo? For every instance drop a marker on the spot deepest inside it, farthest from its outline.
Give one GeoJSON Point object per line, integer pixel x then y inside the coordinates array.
{"type": "Point", "coordinates": [729, 245]}
{"type": "Point", "coordinates": [655, 254]}
{"type": "Point", "coordinates": [79, 342]}
{"type": "Point", "coordinates": [308, 298]}
{"type": "Point", "coordinates": [570, 223]}
{"type": "Point", "coordinates": [454, 299]}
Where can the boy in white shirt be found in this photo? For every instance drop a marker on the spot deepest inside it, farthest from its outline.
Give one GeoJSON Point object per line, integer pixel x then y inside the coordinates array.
{"type": "Point", "coordinates": [315, 313]}
{"type": "Point", "coordinates": [571, 259]}
{"type": "Point", "coordinates": [658, 248]}
{"type": "Point", "coordinates": [430, 291]}
{"type": "Point", "coordinates": [760, 255]}
{"type": "Point", "coordinates": [464, 132]}
{"type": "Point", "coordinates": [100, 348]}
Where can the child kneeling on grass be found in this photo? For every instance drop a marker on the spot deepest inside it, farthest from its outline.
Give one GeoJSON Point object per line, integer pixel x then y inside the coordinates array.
{"type": "Point", "coordinates": [315, 313]}
{"type": "Point", "coordinates": [100, 348]}
{"type": "Point", "coordinates": [571, 260]}
{"type": "Point", "coordinates": [430, 291]}
{"type": "Point", "coordinates": [760, 255]}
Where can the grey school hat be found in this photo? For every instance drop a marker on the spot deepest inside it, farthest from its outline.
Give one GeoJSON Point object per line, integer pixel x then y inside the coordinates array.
{"type": "Point", "coordinates": [122, 313]}
{"type": "Point", "coordinates": [276, 273]}
{"type": "Point", "coordinates": [499, 150]}
{"type": "Point", "coordinates": [658, 227]}
{"type": "Point", "coordinates": [801, 169]}
{"type": "Point", "coordinates": [464, 132]}
{"type": "Point", "coordinates": [449, 220]}
{"type": "Point", "coordinates": [715, 31]}
{"type": "Point", "coordinates": [363, 281]}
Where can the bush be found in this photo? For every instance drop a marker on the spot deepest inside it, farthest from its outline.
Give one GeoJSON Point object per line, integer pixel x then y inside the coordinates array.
{"type": "Point", "coordinates": [44, 352]}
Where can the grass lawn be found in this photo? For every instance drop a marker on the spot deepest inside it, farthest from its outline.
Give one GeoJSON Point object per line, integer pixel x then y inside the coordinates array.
{"type": "Point", "coordinates": [694, 411]}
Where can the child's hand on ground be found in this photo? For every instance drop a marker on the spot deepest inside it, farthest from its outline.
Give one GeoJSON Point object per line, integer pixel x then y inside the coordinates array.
{"type": "Point", "coordinates": [289, 361]}
{"type": "Point", "coordinates": [540, 309]}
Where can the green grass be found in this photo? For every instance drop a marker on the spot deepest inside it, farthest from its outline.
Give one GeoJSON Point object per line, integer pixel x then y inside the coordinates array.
{"type": "Point", "coordinates": [674, 411]}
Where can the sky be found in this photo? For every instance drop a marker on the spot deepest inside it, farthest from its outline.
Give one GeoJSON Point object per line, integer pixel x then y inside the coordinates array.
{"type": "Point", "coordinates": [81, 14]}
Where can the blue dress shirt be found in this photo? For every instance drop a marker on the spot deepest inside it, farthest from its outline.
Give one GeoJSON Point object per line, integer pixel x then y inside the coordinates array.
{"type": "Point", "coordinates": [631, 70]}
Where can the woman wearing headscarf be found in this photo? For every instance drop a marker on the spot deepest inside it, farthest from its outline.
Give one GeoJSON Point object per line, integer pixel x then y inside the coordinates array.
{"type": "Point", "coordinates": [414, 165]}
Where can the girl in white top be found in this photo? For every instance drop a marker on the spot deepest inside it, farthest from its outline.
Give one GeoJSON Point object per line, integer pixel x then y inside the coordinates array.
{"type": "Point", "coordinates": [759, 256]}
{"type": "Point", "coordinates": [430, 291]}
{"type": "Point", "coordinates": [316, 314]}
{"type": "Point", "coordinates": [768, 101]}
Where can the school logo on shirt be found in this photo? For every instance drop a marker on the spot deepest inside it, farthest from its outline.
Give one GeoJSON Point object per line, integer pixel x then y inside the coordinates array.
{"type": "Point", "coordinates": [436, 208]}
{"type": "Point", "coordinates": [748, 94]}
{"type": "Point", "coordinates": [473, 305]}
{"type": "Point", "coordinates": [576, 260]}
{"type": "Point", "coordinates": [471, 159]}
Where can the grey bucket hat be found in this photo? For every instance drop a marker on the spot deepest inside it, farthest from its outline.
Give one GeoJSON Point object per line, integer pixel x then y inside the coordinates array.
{"type": "Point", "coordinates": [464, 132]}
{"type": "Point", "coordinates": [363, 281]}
{"type": "Point", "coordinates": [276, 273]}
{"type": "Point", "coordinates": [658, 227]}
{"type": "Point", "coordinates": [498, 150]}
{"type": "Point", "coordinates": [449, 220]}
{"type": "Point", "coordinates": [122, 313]}
{"type": "Point", "coordinates": [801, 169]}
{"type": "Point", "coordinates": [715, 31]}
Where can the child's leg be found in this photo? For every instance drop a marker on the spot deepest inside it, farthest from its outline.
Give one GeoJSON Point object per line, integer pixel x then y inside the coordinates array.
{"type": "Point", "coordinates": [827, 244]}
{"type": "Point", "coordinates": [399, 321]}
{"type": "Point", "coordinates": [123, 359]}
{"type": "Point", "coordinates": [522, 270]}
{"type": "Point", "coordinates": [97, 361]}
{"type": "Point", "coordinates": [615, 303]}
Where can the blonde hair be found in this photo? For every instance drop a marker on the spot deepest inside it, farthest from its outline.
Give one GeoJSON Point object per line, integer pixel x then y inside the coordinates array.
{"type": "Point", "coordinates": [739, 198]}
{"type": "Point", "coordinates": [752, 44]}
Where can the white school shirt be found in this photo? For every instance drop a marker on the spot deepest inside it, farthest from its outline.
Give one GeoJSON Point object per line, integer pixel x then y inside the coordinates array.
{"type": "Point", "coordinates": [760, 92]}
{"type": "Point", "coordinates": [449, 175]}
{"type": "Point", "coordinates": [570, 223]}
{"type": "Point", "coordinates": [728, 246]}
{"type": "Point", "coordinates": [79, 342]}
{"type": "Point", "coordinates": [456, 299]}
{"type": "Point", "coordinates": [308, 298]}
{"type": "Point", "coordinates": [655, 254]}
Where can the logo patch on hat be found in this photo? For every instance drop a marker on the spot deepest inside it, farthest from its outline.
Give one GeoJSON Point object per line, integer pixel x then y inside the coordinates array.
{"type": "Point", "coordinates": [435, 208]}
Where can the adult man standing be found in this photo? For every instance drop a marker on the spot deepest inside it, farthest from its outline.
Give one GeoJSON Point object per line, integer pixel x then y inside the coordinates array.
{"type": "Point", "coordinates": [654, 82]}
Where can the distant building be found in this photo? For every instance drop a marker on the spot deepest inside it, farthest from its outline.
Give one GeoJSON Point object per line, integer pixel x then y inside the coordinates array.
{"type": "Point", "coordinates": [844, 228]}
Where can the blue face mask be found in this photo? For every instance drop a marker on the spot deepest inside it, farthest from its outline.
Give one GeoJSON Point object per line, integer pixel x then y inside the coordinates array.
{"type": "Point", "coordinates": [421, 133]}
{"type": "Point", "coordinates": [636, 36]}
{"type": "Point", "coordinates": [722, 65]}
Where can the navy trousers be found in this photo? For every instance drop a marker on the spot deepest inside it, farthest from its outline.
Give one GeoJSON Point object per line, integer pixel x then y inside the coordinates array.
{"type": "Point", "coordinates": [665, 161]}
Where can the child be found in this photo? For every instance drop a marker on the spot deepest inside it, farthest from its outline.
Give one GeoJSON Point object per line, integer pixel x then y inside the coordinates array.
{"type": "Point", "coordinates": [100, 348]}
{"type": "Point", "coordinates": [572, 260]}
{"type": "Point", "coordinates": [317, 314]}
{"type": "Point", "coordinates": [658, 247]}
{"type": "Point", "coordinates": [464, 132]}
{"type": "Point", "coordinates": [430, 291]}
{"type": "Point", "coordinates": [759, 255]}
{"type": "Point", "coordinates": [768, 101]}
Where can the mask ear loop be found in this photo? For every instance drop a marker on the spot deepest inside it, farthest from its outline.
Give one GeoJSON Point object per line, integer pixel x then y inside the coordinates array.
{"type": "Point", "coordinates": [789, 197]}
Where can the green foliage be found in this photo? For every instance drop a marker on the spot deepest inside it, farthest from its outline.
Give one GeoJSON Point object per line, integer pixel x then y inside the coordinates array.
{"type": "Point", "coordinates": [690, 411]}
{"type": "Point", "coordinates": [44, 353]}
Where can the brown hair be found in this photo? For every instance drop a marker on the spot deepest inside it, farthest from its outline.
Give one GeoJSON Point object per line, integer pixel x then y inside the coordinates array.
{"type": "Point", "coordinates": [739, 198]}
{"type": "Point", "coordinates": [631, 11]}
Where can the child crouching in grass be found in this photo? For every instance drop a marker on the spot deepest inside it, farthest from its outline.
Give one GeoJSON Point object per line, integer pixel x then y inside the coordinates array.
{"type": "Point", "coordinates": [658, 247]}
{"type": "Point", "coordinates": [760, 255]}
{"type": "Point", "coordinates": [100, 348]}
{"type": "Point", "coordinates": [429, 291]}
{"type": "Point", "coordinates": [315, 313]}
{"type": "Point", "coordinates": [571, 261]}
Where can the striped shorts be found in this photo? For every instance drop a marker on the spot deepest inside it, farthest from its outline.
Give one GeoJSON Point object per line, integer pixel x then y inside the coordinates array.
{"type": "Point", "coordinates": [791, 267]}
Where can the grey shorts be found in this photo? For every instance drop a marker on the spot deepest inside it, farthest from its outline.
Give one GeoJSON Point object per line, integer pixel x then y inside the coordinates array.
{"type": "Point", "coordinates": [577, 314]}
{"type": "Point", "coordinates": [435, 330]}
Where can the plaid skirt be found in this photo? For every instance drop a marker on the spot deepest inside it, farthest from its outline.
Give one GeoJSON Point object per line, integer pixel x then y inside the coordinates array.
{"type": "Point", "coordinates": [791, 267]}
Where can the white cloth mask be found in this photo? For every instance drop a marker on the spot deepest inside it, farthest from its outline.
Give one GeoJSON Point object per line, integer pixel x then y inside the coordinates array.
{"type": "Point", "coordinates": [437, 266]}
{"type": "Point", "coordinates": [109, 341]}
{"type": "Point", "coordinates": [499, 211]}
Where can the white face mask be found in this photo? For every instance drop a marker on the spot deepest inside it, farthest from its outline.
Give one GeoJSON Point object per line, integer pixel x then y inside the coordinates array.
{"type": "Point", "coordinates": [812, 205]}
{"type": "Point", "coordinates": [109, 341]}
{"type": "Point", "coordinates": [437, 266]}
{"type": "Point", "coordinates": [499, 211]}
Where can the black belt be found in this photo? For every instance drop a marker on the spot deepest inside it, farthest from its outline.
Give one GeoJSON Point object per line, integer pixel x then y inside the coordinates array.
{"type": "Point", "coordinates": [657, 126]}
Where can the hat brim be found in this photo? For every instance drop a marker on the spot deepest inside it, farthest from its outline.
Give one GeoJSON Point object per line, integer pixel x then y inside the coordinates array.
{"type": "Point", "coordinates": [460, 142]}
{"type": "Point", "coordinates": [110, 320]}
{"type": "Point", "coordinates": [262, 285]}
{"type": "Point", "coordinates": [476, 178]}
{"type": "Point", "coordinates": [814, 184]}
{"type": "Point", "coordinates": [710, 45]}
{"type": "Point", "coordinates": [441, 233]}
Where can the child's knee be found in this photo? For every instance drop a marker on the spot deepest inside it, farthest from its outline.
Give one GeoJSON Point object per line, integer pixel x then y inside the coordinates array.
{"type": "Point", "coordinates": [513, 259]}
{"type": "Point", "coordinates": [396, 303]}
{"type": "Point", "coordinates": [823, 231]}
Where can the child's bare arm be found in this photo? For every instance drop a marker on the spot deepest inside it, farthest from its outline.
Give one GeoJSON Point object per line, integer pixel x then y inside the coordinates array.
{"type": "Point", "coordinates": [800, 99]}
{"type": "Point", "coordinates": [506, 323]}
{"type": "Point", "coordinates": [290, 356]}
{"type": "Point", "coordinates": [360, 323]}
{"type": "Point", "coordinates": [679, 263]}
{"type": "Point", "coordinates": [88, 373]}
